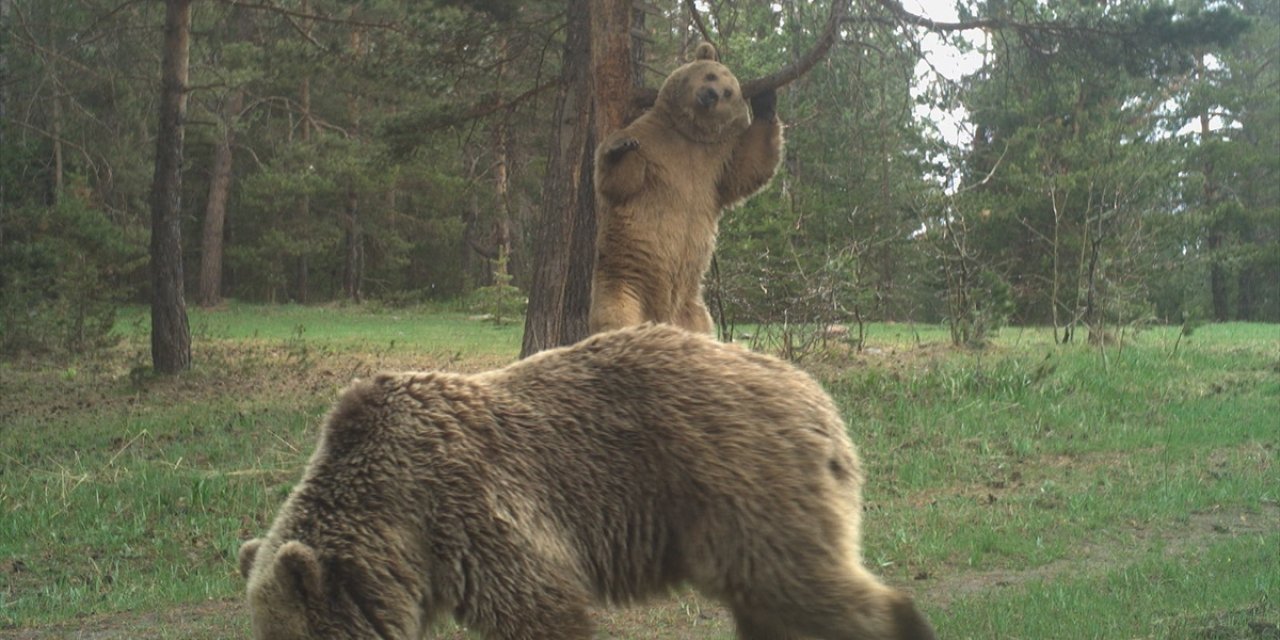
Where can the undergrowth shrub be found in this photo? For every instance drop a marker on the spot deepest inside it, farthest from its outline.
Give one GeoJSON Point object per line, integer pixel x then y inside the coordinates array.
{"type": "Point", "coordinates": [61, 269]}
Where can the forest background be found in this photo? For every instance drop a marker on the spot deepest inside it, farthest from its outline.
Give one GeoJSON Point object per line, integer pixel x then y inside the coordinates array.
{"type": "Point", "coordinates": [1116, 164]}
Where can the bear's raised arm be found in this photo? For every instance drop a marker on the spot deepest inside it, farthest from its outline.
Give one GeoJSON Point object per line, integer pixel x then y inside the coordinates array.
{"type": "Point", "coordinates": [755, 156]}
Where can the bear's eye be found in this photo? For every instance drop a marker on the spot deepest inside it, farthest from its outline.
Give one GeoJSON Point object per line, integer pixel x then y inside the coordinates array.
{"type": "Point", "coordinates": [728, 93]}
{"type": "Point", "coordinates": [711, 77]}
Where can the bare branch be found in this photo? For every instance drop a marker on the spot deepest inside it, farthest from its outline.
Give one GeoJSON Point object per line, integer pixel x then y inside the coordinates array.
{"type": "Point", "coordinates": [697, 21]}
{"type": "Point", "coordinates": [88, 156]}
{"type": "Point", "coordinates": [895, 7]}
{"type": "Point", "coordinates": [785, 75]}
{"type": "Point", "coordinates": [264, 5]}
{"type": "Point", "coordinates": [989, 175]}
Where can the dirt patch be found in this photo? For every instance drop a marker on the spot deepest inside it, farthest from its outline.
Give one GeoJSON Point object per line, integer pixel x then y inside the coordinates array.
{"type": "Point", "coordinates": [205, 621]}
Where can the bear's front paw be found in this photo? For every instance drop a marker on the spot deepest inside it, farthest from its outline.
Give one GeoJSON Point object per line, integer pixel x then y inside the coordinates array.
{"type": "Point", "coordinates": [764, 105]}
{"type": "Point", "coordinates": [620, 147]}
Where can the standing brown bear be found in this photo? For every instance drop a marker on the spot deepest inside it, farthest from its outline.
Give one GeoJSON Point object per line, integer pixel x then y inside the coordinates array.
{"type": "Point", "coordinates": [603, 472]}
{"type": "Point", "coordinates": [661, 184]}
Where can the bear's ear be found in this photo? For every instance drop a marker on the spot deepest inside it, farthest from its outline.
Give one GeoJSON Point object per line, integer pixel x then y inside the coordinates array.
{"type": "Point", "coordinates": [706, 51]}
{"type": "Point", "coordinates": [299, 569]}
{"type": "Point", "coordinates": [248, 551]}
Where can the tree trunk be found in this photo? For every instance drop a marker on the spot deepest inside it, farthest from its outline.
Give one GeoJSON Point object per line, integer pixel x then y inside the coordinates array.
{"type": "Point", "coordinates": [1245, 294]}
{"type": "Point", "coordinates": [302, 272]}
{"type": "Point", "coordinates": [611, 64]}
{"type": "Point", "coordinates": [1056, 283]}
{"type": "Point", "coordinates": [304, 203]}
{"type": "Point", "coordinates": [1217, 272]}
{"type": "Point", "coordinates": [500, 235]}
{"type": "Point", "coordinates": [170, 334]}
{"type": "Point", "coordinates": [560, 293]}
{"type": "Point", "coordinates": [353, 270]}
{"type": "Point", "coordinates": [4, 100]}
{"type": "Point", "coordinates": [57, 179]}
{"type": "Point", "coordinates": [215, 213]}
{"type": "Point", "coordinates": [215, 216]}
{"type": "Point", "coordinates": [1218, 287]}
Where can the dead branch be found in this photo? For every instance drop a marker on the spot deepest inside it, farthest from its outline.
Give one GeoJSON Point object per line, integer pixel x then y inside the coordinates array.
{"type": "Point", "coordinates": [802, 65]}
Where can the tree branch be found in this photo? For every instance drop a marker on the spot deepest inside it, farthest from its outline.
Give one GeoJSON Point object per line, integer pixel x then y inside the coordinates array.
{"type": "Point", "coordinates": [697, 21]}
{"type": "Point", "coordinates": [802, 65]}
{"type": "Point", "coordinates": [264, 5]}
{"type": "Point", "coordinates": [895, 7]}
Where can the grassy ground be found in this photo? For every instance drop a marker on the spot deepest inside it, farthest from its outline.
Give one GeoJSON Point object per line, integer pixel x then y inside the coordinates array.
{"type": "Point", "coordinates": [1025, 491]}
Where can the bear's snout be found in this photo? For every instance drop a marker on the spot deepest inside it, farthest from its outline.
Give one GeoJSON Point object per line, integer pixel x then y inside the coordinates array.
{"type": "Point", "coordinates": [707, 97]}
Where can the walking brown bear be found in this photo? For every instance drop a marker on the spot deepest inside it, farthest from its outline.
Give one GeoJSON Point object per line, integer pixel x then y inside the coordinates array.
{"type": "Point", "coordinates": [604, 472]}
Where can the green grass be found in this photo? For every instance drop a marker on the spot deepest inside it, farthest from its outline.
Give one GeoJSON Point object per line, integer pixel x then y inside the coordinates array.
{"type": "Point", "coordinates": [1219, 593]}
{"type": "Point", "coordinates": [1029, 490]}
{"type": "Point", "coordinates": [421, 329]}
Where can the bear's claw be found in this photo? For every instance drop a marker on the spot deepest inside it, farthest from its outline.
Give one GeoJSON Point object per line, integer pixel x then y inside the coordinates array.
{"type": "Point", "coordinates": [620, 147]}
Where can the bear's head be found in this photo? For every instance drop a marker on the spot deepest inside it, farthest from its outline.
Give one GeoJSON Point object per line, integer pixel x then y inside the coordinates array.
{"type": "Point", "coordinates": [703, 99]}
{"type": "Point", "coordinates": [291, 597]}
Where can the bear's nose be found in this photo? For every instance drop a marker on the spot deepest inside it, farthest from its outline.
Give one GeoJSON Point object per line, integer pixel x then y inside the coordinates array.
{"type": "Point", "coordinates": [707, 97]}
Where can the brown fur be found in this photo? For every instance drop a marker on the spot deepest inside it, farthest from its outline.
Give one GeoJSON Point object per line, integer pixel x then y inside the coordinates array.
{"type": "Point", "coordinates": [608, 471]}
{"type": "Point", "coordinates": [661, 184]}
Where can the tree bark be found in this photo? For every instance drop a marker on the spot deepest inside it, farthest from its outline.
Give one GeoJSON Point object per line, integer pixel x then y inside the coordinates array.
{"type": "Point", "coordinates": [353, 271]}
{"type": "Point", "coordinates": [611, 64]}
{"type": "Point", "coordinates": [57, 182]}
{"type": "Point", "coordinates": [1218, 277]}
{"type": "Point", "coordinates": [500, 236]}
{"type": "Point", "coordinates": [1209, 193]}
{"type": "Point", "coordinates": [1245, 290]}
{"type": "Point", "coordinates": [560, 293]}
{"type": "Point", "coordinates": [302, 273]}
{"type": "Point", "coordinates": [215, 213]}
{"type": "Point", "coordinates": [304, 203]}
{"type": "Point", "coordinates": [4, 100]}
{"type": "Point", "coordinates": [170, 333]}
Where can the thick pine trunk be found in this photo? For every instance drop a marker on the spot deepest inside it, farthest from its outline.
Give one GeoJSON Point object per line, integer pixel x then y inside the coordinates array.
{"type": "Point", "coordinates": [611, 64]}
{"type": "Point", "coordinates": [170, 333]}
{"type": "Point", "coordinates": [560, 294]}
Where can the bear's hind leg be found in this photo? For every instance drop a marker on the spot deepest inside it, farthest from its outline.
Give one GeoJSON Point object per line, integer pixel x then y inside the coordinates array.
{"type": "Point", "coordinates": [757, 624]}
{"type": "Point", "coordinates": [695, 317]}
{"type": "Point", "coordinates": [834, 607]}
{"type": "Point", "coordinates": [852, 612]}
{"type": "Point", "coordinates": [537, 618]}
{"type": "Point", "coordinates": [891, 616]}
{"type": "Point", "coordinates": [613, 306]}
